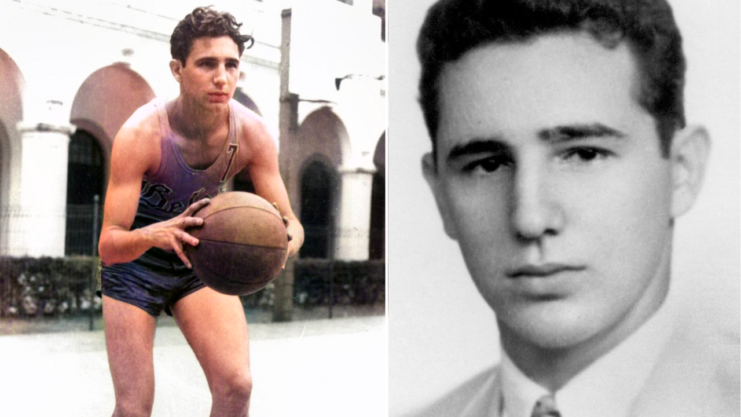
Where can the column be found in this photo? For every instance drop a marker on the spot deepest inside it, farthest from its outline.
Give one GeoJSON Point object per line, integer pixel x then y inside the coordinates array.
{"type": "Point", "coordinates": [40, 222]}
{"type": "Point", "coordinates": [283, 295]}
{"type": "Point", "coordinates": [352, 229]}
{"type": "Point", "coordinates": [363, 113]}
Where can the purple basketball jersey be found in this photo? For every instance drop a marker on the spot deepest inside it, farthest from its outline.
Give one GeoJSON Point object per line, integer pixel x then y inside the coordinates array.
{"type": "Point", "coordinates": [175, 185]}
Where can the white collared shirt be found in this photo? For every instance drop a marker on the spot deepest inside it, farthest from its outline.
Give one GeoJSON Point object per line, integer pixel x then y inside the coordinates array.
{"type": "Point", "coordinates": [607, 388]}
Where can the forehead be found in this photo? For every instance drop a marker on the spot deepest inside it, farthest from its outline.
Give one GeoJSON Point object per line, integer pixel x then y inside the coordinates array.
{"type": "Point", "coordinates": [222, 46]}
{"type": "Point", "coordinates": [555, 79]}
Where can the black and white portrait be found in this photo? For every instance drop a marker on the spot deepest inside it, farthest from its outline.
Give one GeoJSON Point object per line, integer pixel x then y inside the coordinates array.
{"type": "Point", "coordinates": [564, 208]}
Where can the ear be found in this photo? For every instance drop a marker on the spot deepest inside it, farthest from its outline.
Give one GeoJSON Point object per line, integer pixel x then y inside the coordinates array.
{"type": "Point", "coordinates": [430, 172]}
{"type": "Point", "coordinates": [689, 156]}
{"type": "Point", "coordinates": [176, 67]}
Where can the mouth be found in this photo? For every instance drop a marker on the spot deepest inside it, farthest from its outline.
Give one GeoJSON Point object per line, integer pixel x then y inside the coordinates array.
{"type": "Point", "coordinates": [542, 270]}
{"type": "Point", "coordinates": [218, 96]}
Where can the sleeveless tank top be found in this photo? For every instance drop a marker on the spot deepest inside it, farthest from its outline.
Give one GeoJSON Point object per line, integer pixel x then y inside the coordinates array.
{"type": "Point", "coordinates": [175, 186]}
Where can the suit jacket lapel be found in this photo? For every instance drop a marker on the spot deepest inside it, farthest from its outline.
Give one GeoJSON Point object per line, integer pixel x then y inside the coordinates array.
{"type": "Point", "coordinates": [697, 375]}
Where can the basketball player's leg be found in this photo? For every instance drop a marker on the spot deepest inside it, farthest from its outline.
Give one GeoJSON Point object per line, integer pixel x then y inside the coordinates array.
{"type": "Point", "coordinates": [216, 329]}
{"type": "Point", "coordinates": [129, 334]}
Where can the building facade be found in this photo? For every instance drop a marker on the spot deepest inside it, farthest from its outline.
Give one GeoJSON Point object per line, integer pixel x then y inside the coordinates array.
{"type": "Point", "coordinates": [72, 73]}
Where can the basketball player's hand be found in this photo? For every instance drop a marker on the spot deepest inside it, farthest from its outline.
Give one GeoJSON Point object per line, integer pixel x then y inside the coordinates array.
{"type": "Point", "coordinates": [295, 237]}
{"type": "Point", "coordinates": [293, 247]}
{"type": "Point", "coordinates": [170, 234]}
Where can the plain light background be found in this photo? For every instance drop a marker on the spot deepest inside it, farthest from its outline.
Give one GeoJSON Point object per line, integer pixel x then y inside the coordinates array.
{"type": "Point", "coordinates": [440, 330]}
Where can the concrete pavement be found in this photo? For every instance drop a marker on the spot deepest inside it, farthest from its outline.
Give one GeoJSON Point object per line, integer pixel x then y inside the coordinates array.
{"type": "Point", "coordinates": [310, 368]}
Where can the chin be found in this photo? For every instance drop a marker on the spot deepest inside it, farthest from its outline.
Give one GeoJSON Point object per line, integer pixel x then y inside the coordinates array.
{"type": "Point", "coordinates": [552, 325]}
{"type": "Point", "coordinates": [217, 107]}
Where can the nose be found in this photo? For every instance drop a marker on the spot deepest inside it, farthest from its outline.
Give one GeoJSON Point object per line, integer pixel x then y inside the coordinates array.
{"type": "Point", "coordinates": [220, 75]}
{"type": "Point", "coordinates": [536, 211]}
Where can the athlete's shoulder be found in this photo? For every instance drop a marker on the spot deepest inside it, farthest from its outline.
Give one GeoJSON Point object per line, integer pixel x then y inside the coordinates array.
{"type": "Point", "coordinates": [139, 138]}
{"type": "Point", "coordinates": [145, 119]}
{"type": "Point", "coordinates": [144, 122]}
{"type": "Point", "coordinates": [251, 125]}
{"type": "Point", "coordinates": [259, 143]}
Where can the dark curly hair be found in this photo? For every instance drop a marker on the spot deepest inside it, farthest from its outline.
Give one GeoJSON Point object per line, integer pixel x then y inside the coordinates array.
{"type": "Point", "coordinates": [454, 27]}
{"type": "Point", "coordinates": [206, 22]}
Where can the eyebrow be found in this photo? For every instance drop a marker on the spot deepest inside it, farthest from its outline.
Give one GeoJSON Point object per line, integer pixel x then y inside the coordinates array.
{"type": "Point", "coordinates": [213, 58]}
{"type": "Point", "coordinates": [557, 134]}
{"type": "Point", "coordinates": [477, 146]}
{"type": "Point", "coordinates": [579, 131]}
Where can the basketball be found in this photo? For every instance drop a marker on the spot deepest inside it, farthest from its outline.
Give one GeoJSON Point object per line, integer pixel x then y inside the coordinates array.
{"type": "Point", "coordinates": [243, 243]}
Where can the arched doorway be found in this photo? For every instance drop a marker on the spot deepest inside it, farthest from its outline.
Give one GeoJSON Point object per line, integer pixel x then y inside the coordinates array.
{"type": "Point", "coordinates": [377, 244]}
{"type": "Point", "coordinates": [321, 141]}
{"type": "Point", "coordinates": [105, 100]}
{"type": "Point", "coordinates": [103, 103]}
{"type": "Point", "coordinates": [317, 197]}
{"type": "Point", "coordinates": [11, 112]}
{"type": "Point", "coordinates": [84, 181]}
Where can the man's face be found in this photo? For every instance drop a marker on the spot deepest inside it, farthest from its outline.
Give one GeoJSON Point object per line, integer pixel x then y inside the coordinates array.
{"type": "Point", "coordinates": [211, 71]}
{"type": "Point", "coordinates": [550, 177]}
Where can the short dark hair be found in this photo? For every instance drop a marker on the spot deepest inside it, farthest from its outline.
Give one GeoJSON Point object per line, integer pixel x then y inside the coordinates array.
{"type": "Point", "coordinates": [454, 27]}
{"type": "Point", "coordinates": [205, 22]}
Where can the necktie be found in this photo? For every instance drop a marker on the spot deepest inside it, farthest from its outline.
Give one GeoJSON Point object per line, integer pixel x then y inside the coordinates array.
{"type": "Point", "coordinates": [545, 407]}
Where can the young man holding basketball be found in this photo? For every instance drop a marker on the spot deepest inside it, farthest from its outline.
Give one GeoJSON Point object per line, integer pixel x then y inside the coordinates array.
{"type": "Point", "coordinates": [560, 162]}
{"type": "Point", "coordinates": [167, 160]}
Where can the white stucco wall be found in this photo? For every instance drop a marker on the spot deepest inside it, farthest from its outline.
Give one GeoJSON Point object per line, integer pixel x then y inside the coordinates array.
{"type": "Point", "coordinates": [58, 45]}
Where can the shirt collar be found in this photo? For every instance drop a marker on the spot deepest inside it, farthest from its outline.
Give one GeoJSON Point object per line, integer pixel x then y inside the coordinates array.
{"type": "Point", "coordinates": [519, 393]}
{"type": "Point", "coordinates": [607, 387]}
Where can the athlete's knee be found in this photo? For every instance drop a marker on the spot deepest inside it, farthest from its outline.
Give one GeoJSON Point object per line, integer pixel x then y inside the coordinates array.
{"type": "Point", "coordinates": [133, 408]}
{"type": "Point", "coordinates": [235, 389]}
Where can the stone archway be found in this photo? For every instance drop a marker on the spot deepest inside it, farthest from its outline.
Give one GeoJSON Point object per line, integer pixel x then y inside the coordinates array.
{"type": "Point", "coordinates": [323, 132]}
{"type": "Point", "coordinates": [105, 100]}
{"type": "Point", "coordinates": [12, 85]}
{"type": "Point", "coordinates": [323, 137]}
{"type": "Point", "coordinates": [103, 103]}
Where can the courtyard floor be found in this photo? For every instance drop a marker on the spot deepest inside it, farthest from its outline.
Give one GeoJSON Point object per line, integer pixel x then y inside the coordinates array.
{"type": "Point", "coordinates": [311, 366]}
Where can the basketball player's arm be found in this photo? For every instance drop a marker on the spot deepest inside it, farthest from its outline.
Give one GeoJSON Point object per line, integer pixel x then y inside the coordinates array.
{"type": "Point", "coordinates": [265, 174]}
{"type": "Point", "coordinates": [134, 153]}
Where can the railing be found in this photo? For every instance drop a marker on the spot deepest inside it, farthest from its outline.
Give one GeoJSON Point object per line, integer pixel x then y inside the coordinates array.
{"type": "Point", "coordinates": [83, 224]}
{"type": "Point", "coordinates": [46, 286]}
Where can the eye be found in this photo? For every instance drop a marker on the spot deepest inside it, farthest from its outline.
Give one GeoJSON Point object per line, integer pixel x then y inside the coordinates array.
{"type": "Point", "coordinates": [488, 165]}
{"type": "Point", "coordinates": [586, 154]}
